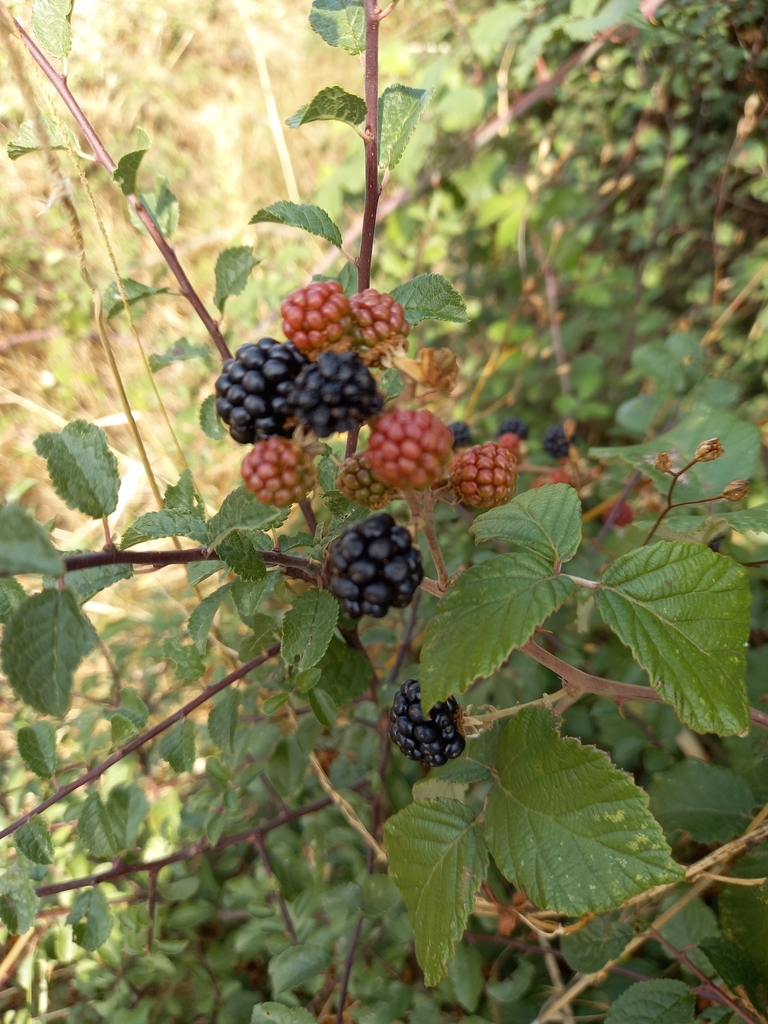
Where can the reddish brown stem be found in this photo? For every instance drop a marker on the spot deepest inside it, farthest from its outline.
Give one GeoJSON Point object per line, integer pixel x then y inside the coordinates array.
{"type": "Point", "coordinates": [138, 741]}
{"type": "Point", "coordinates": [372, 188]}
{"type": "Point", "coordinates": [102, 156]}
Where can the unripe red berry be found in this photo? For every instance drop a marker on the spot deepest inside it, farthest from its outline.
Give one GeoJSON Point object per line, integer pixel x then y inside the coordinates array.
{"type": "Point", "coordinates": [278, 471]}
{"type": "Point", "coordinates": [409, 449]}
{"type": "Point", "coordinates": [381, 324]}
{"type": "Point", "coordinates": [317, 317]}
{"type": "Point", "coordinates": [623, 515]}
{"type": "Point", "coordinates": [485, 475]}
{"type": "Point", "coordinates": [510, 441]}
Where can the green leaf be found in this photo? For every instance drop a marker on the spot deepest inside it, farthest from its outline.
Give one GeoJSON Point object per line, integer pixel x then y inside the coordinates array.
{"type": "Point", "coordinates": [546, 520]}
{"type": "Point", "coordinates": [177, 747]}
{"type": "Point", "coordinates": [438, 858]}
{"type": "Point", "coordinates": [222, 721]}
{"type": "Point", "coordinates": [276, 1013]}
{"type": "Point", "coordinates": [37, 747]}
{"type": "Point", "coordinates": [94, 826]}
{"type": "Point", "coordinates": [309, 218]}
{"type": "Point", "coordinates": [45, 640]}
{"type": "Point", "coordinates": [82, 469]}
{"type": "Point", "coordinates": [684, 612]}
{"type": "Point", "coordinates": [161, 205]}
{"type": "Point", "coordinates": [736, 967]}
{"type": "Point", "coordinates": [51, 25]}
{"type": "Point", "coordinates": [182, 889]}
{"type": "Point", "coordinates": [180, 351]}
{"type": "Point", "coordinates": [330, 104]}
{"type": "Point", "coordinates": [741, 441]}
{"type": "Point", "coordinates": [130, 716]}
{"type": "Point", "coordinates": [490, 610]}
{"type": "Point", "coordinates": [84, 583]}
{"type": "Point", "coordinates": [184, 496]}
{"type": "Point", "coordinates": [25, 545]}
{"type": "Point", "coordinates": [346, 672]}
{"type": "Point", "coordinates": [189, 664]}
{"type": "Point", "coordinates": [135, 291]}
{"type": "Point", "coordinates": [128, 165]}
{"type": "Point", "coordinates": [18, 901]}
{"type": "Point", "coordinates": [34, 840]}
{"type": "Point", "coordinates": [430, 297]}
{"type": "Point", "coordinates": [400, 108]}
{"type": "Point", "coordinates": [201, 619]}
{"type": "Point", "coordinates": [565, 826]}
{"type": "Point", "coordinates": [27, 141]}
{"type": "Point", "coordinates": [340, 23]}
{"type": "Point", "coordinates": [323, 706]}
{"type": "Point", "coordinates": [613, 13]}
{"type": "Point", "coordinates": [168, 522]}
{"type": "Point", "coordinates": [380, 895]}
{"type": "Point", "coordinates": [11, 595]}
{"type": "Point", "coordinates": [711, 802]}
{"type": "Point", "coordinates": [661, 1001]}
{"type": "Point", "coordinates": [92, 919]}
{"type": "Point", "coordinates": [237, 534]}
{"type": "Point", "coordinates": [273, 703]}
{"type": "Point", "coordinates": [308, 628]}
{"type": "Point", "coordinates": [602, 939]}
{"type": "Point", "coordinates": [233, 268]}
{"type": "Point", "coordinates": [296, 965]}
{"type": "Point", "coordinates": [247, 597]}
{"type": "Point", "coordinates": [127, 807]}
{"type": "Point", "coordinates": [210, 423]}
{"type": "Point", "coordinates": [467, 979]}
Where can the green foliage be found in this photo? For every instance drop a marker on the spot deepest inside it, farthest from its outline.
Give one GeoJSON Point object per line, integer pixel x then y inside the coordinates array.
{"type": "Point", "coordinates": [306, 216]}
{"type": "Point", "coordinates": [430, 297]}
{"type": "Point", "coordinates": [25, 546]}
{"type": "Point", "coordinates": [51, 23]}
{"type": "Point", "coordinates": [552, 816]}
{"type": "Point", "coordinates": [34, 841]}
{"type": "Point", "coordinates": [400, 109]}
{"type": "Point", "coordinates": [27, 141]}
{"type": "Point", "coordinates": [135, 291]}
{"type": "Point", "coordinates": [180, 351]}
{"type": "Point", "coordinates": [296, 965]}
{"type": "Point", "coordinates": [340, 23]}
{"type": "Point", "coordinates": [128, 165]}
{"type": "Point", "coordinates": [37, 747]}
{"type": "Point", "coordinates": [18, 901]}
{"type": "Point", "coordinates": [546, 521]}
{"type": "Point", "coordinates": [684, 612]}
{"type": "Point", "coordinates": [82, 469]}
{"type": "Point", "coordinates": [710, 802]}
{"type": "Point", "coordinates": [91, 918]}
{"type": "Point", "coordinates": [331, 104]}
{"type": "Point", "coordinates": [233, 268]}
{"type": "Point", "coordinates": [438, 858]}
{"type": "Point", "coordinates": [308, 628]}
{"type": "Point", "coordinates": [654, 1002]}
{"type": "Point", "coordinates": [44, 641]}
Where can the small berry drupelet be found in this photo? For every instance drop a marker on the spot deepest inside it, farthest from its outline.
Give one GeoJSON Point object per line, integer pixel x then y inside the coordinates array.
{"type": "Point", "coordinates": [432, 739]}
{"type": "Point", "coordinates": [358, 483]}
{"type": "Point", "coordinates": [335, 393]}
{"type": "Point", "coordinates": [317, 317]}
{"type": "Point", "coordinates": [513, 425]}
{"type": "Point", "coordinates": [373, 566]}
{"type": "Point", "coordinates": [381, 325]}
{"type": "Point", "coordinates": [461, 435]}
{"type": "Point", "coordinates": [484, 476]}
{"type": "Point", "coordinates": [279, 472]}
{"type": "Point", "coordinates": [409, 449]}
{"type": "Point", "coordinates": [623, 515]}
{"type": "Point", "coordinates": [252, 391]}
{"type": "Point", "coordinates": [554, 476]}
{"type": "Point", "coordinates": [556, 442]}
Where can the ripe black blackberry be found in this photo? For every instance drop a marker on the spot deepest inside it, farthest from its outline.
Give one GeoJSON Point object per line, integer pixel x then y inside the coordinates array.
{"type": "Point", "coordinates": [513, 425]}
{"type": "Point", "coordinates": [252, 392]}
{"type": "Point", "coordinates": [335, 393]}
{"type": "Point", "coordinates": [432, 739]}
{"type": "Point", "coordinates": [556, 442]}
{"type": "Point", "coordinates": [373, 566]}
{"type": "Point", "coordinates": [461, 435]}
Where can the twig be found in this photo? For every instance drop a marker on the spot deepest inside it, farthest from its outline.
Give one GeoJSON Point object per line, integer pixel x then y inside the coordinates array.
{"type": "Point", "coordinates": [138, 741]}
{"type": "Point", "coordinates": [582, 682]}
{"type": "Point", "coordinates": [102, 156]}
{"type": "Point", "coordinates": [258, 842]}
{"type": "Point", "coordinates": [351, 815]}
{"type": "Point", "coordinates": [309, 515]}
{"type": "Point", "coordinates": [121, 869]}
{"type": "Point", "coordinates": [151, 900]}
{"type": "Point", "coordinates": [348, 963]}
{"type": "Point", "coordinates": [423, 516]}
{"type": "Point", "coordinates": [552, 291]}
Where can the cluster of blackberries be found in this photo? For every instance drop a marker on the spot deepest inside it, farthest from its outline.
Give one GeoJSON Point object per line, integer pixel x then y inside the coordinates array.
{"type": "Point", "coordinates": [269, 387]}
{"type": "Point", "coordinates": [557, 442]}
{"type": "Point", "coordinates": [373, 566]}
{"type": "Point", "coordinates": [253, 390]}
{"type": "Point", "coordinates": [433, 738]}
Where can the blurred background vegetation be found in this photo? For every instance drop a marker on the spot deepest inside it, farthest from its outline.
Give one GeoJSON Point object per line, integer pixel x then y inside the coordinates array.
{"type": "Point", "coordinates": [597, 236]}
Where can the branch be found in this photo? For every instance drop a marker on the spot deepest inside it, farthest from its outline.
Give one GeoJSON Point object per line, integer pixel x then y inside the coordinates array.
{"type": "Point", "coordinates": [138, 741]}
{"type": "Point", "coordinates": [102, 156]}
{"type": "Point", "coordinates": [582, 682]}
{"type": "Point", "coordinates": [295, 565]}
{"type": "Point", "coordinates": [188, 853]}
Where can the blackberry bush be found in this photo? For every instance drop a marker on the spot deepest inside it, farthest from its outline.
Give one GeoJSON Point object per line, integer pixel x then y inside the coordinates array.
{"type": "Point", "coordinates": [373, 566]}
{"type": "Point", "coordinates": [433, 738]}
{"type": "Point", "coordinates": [252, 390]}
{"type": "Point", "coordinates": [335, 393]}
